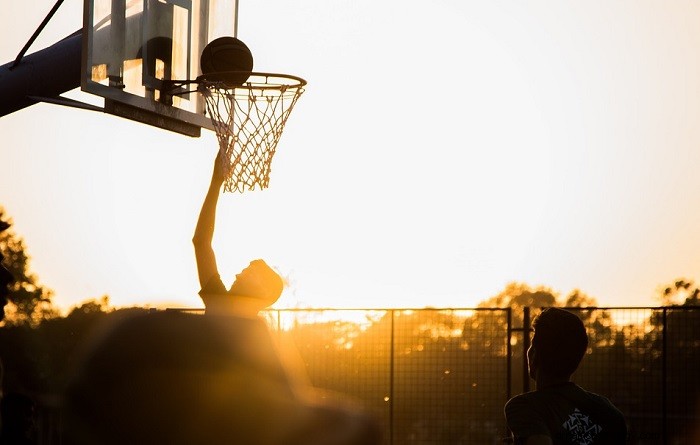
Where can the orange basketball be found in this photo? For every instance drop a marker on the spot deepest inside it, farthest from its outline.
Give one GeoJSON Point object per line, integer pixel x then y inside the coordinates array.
{"type": "Point", "coordinates": [227, 59]}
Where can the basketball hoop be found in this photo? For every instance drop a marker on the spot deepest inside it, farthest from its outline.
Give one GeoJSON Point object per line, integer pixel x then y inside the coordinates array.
{"type": "Point", "coordinates": [248, 120]}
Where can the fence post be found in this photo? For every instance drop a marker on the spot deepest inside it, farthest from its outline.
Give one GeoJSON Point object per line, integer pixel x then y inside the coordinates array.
{"type": "Point", "coordinates": [391, 382]}
{"type": "Point", "coordinates": [664, 417]}
{"type": "Point", "coordinates": [526, 346]}
{"type": "Point", "coordinates": [509, 353]}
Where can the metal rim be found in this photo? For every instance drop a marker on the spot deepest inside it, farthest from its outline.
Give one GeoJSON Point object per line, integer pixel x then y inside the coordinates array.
{"type": "Point", "coordinates": [255, 81]}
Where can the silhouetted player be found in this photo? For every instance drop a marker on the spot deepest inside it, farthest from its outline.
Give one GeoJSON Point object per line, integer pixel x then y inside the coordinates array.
{"type": "Point", "coordinates": [559, 412]}
{"type": "Point", "coordinates": [178, 378]}
{"type": "Point", "coordinates": [255, 288]}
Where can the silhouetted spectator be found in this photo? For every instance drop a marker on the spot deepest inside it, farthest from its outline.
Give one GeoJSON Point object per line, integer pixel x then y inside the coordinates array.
{"type": "Point", "coordinates": [6, 278]}
{"type": "Point", "coordinates": [559, 412]}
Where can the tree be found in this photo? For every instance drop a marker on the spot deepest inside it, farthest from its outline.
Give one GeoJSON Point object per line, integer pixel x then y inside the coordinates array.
{"type": "Point", "coordinates": [677, 333]}
{"type": "Point", "coordinates": [519, 295]}
{"type": "Point", "coordinates": [38, 359]}
{"type": "Point", "coordinates": [682, 291]}
{"type": "Point", "coordinates": [28, 301]}
{"type": "Point", "coordinates": [598, 322]}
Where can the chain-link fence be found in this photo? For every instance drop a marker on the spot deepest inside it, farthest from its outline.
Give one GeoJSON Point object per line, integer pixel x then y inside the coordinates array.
{"type": "Point", "coordinates": [442, 376]}
{"type": "Point", "coordinates": [436, 376]}
{"type": "Point", "coordinates": [430, 376]}
{"type": "Point", "coordinates": [647, 361]}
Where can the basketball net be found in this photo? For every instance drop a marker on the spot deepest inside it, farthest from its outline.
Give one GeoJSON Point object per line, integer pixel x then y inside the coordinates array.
{"type": "Point", "coordinates": [248, 120]}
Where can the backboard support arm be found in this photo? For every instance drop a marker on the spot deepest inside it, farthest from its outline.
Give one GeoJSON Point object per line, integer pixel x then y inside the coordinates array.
{"type": "Point", "coordinates": [34, 36]}
{"type": "Point", "coordinates": [66, 102]}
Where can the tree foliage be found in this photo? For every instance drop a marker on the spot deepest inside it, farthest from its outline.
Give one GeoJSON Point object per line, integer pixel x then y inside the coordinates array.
{"type": "Point", "coordinates": [37, 358]}
{"type": "Point", "coordinates": [681, 291]}
{"type": "Point", "coordinates": [29, 302]}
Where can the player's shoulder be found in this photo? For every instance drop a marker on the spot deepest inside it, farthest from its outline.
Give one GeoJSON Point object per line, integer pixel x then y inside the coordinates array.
{"type": "Point", "coordinates": [213, 286]}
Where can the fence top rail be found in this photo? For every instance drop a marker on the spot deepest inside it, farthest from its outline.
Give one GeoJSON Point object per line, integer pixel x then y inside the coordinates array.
{"type": "Point", "coordinates": [494, 309]}
{"type": "Point", "coordinates": [617, 308]}
{"type": "Point", "coordinates": [366, 309]}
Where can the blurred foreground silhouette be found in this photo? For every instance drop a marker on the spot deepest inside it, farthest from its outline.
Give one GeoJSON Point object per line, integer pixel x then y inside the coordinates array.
{"type": "Point", "coordinates": [179, 378]}
{"type": "Point", "coordinates": [18, 420]}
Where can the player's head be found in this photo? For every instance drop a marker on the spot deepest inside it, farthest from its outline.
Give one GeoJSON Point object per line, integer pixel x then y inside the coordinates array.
{"type": "Point", "coordinates": [559, 344]}
{"type": "Point", "coordinates": [258, 283]}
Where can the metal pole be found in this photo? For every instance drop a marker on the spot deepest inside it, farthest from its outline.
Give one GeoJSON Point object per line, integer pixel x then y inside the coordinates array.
{"type": "Point", "coordinates": [509, 353]}
{"type": "Point", "coordinates": [235, 18]}
{"type": "Point", "coordinates": [391, 383]}
{"type": "Point", "coordinates": [36, 34]}
{"type": "Point", "coordinates": [43, 74]}
{"type": "Point", "coordinates": [664, 417]}
{"type": "Point", "coordinates": [526, 346]}
{"type": "Point", "coordinates": [117, 29]}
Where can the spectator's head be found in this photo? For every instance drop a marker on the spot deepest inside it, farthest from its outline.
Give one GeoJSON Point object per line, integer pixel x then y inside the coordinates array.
{"type": "Point", "coordinates": [6, 277]}
{"type": "Point", "coordinates": [258, 285]}
{"type": "Point", "coordinates": [558, 345]}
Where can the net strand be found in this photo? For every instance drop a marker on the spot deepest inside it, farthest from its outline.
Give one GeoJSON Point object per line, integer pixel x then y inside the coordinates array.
{"type": "Point", "coordinates": [248, 121]}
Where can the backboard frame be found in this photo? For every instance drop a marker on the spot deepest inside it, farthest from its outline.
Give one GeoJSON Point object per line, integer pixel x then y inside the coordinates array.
{"type": "Point", "coordinates": [114, 71]}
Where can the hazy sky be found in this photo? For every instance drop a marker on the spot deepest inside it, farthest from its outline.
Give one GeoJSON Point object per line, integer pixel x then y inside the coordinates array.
{"type": "Point", "coordinates": [442, 149]}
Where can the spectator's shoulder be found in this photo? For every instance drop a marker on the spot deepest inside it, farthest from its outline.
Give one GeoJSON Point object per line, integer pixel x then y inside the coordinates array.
{"type": "Point", "coordinates": [602, 400]}
{"type": "Point", "coordinates": [518, 403]}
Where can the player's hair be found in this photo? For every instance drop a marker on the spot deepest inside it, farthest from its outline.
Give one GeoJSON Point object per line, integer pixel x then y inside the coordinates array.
{"type": "Point", "coordinates": [560, 341]}
{"type": "Point", "coordinates": [269, 280]}
{"type": "Point", "coordinates": [259, 282]}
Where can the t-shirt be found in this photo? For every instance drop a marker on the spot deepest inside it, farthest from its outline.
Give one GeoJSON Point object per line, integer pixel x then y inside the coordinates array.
{"type": "Point", "coordinates": [568, 414]}
{"type": "Point", "coordinates": [243, 327]}
{"type": "Point", "coordinates": [214, 286]}
{"type": "Point", "coordinates": [218, 299]}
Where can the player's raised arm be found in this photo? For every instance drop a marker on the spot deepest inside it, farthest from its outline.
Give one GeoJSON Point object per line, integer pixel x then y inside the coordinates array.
{"type": "Point", "coordinates": [204, 232]}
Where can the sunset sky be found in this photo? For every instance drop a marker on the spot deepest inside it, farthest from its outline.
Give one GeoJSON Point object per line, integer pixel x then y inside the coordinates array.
{"type": "Point", "coordinates": [442, 149]}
